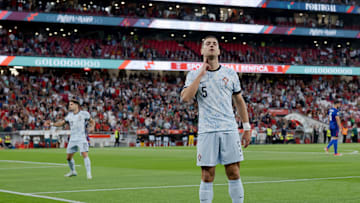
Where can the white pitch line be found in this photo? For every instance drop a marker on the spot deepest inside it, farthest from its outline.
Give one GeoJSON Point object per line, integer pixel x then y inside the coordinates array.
{"type": "Point", "coordinates": [354, 152]}
{"type": "Point", "coordinates": [185, 186]}
{"type": "Point", "coordinates": [38, 196]}
{"type": "Point", "coordinates": [15, 168]}
{"type": "Point", "coordinates": [302, 180]}
{"type": "Point", "coordinates": [33, 162]}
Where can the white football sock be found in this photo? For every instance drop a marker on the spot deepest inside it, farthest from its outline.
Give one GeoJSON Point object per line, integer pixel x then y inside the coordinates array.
{"type": "Point", "coordinates": [236, 191]}
{"type": "Point", "coordinates": [206, 192]}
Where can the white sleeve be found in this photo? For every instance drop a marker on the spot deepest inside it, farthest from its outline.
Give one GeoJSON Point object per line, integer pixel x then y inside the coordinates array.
{"type": "Point", "coordinates": [189, 78]}
{"type": "Point", "coordinates": [86, 115]}
{"type": "Point", "coordinates": [236, 84]}
{"type": "Point", "coordinates": [67, 118]}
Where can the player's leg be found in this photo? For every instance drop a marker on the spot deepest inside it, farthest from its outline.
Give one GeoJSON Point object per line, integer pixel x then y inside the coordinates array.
{"type": "Point", "coordinates": [207, 158]}
{"type": "Point", "coordinates": [71, 163]}
{"type": "Point", "coordinates": [206, 193]}
{"type": "Point", "coordinates": [70, 151]}
{"type": "Point", "coordinates": [334, 135]}
{"type": "Point", "coordinates": [151, 139]}
{"type": "Point", "coordinates": [330, 144]}
{"type": "Point", "coordinates": [87, 164]}
{"type": "Point", "coordinates": [84, 149]}
{"type": "Point", "coordinates": [164, 141]}
{"type": "Point", "coordinates": [231, 155]}
{"type": "Point", "coordinates": [236, 189]}
{"type": "Point", "coordinates": [158, 141]}
{"type": "Point", "coordinates": [191, 140]}
{"type": "Point", "coordinates": [335, 146]}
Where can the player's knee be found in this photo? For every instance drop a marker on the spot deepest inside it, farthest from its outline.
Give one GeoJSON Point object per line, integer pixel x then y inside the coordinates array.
{"type": "Point", "coordinates": [233, 176]}
{"type": "Point", "coordinates": [208, 174]}
{"type": "Point", "coordinates": [208, 179]}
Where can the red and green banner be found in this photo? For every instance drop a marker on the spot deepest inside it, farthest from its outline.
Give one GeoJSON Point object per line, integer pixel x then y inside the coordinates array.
{"type": "Point", "coordinates": [177, 24]}
{"type": "Point", "coordinates": [53, 62]}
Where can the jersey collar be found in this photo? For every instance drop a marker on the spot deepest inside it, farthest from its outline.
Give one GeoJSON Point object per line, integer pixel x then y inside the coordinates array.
{"type": "Point", "coordinates": [215, 69]}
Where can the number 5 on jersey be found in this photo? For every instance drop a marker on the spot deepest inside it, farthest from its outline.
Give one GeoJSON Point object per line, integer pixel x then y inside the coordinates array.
{"type": "Point", "coordinates": [203, 91]}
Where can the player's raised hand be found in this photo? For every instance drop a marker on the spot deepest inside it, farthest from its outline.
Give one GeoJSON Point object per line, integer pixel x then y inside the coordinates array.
{"type": "Point", "coordinates": [245, 140]}
{"type": "Point", "coordinates": [204, 67]}
{"type": "Point", "coordinates": [47, 123]}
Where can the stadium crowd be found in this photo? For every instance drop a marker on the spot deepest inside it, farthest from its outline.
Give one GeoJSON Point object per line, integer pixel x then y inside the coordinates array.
{"type": "Point", "coordinates": [133, 46]}
{"type": "Point", "coordinates": [346, 2]}
{"type": "Point", "coordinates": [190, 12]}
{"type": "Point", "coordinates": [151, 100]}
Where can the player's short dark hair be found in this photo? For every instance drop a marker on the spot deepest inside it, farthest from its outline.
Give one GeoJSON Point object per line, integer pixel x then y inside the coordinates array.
{"type": "Point", "coordinates": [337, 102]}
{"type": "Point", "coordinates": [207, 37]}
{"type": "Point", "coordinates": [75, 100]}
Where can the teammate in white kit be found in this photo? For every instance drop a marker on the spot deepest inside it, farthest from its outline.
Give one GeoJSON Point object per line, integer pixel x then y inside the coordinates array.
{"type": "Point", "coordinates": [78, 121]}
{"type": "Point", "coordinates": [215, 87]}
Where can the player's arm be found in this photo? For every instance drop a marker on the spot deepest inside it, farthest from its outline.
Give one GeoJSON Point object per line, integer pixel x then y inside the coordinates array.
{"type": "Point", "coordinates": [338, 121]}
{"type": "Point", "coordinates": [242, 110]}
{"type": "Point", "coordinates": [241, 107]}
{"type": "Point", "coordinates": [56, 124]}
{"type": "Point", "coordinates": [188, 93]}
{"type": "Point", "coordinates": [92, 125]}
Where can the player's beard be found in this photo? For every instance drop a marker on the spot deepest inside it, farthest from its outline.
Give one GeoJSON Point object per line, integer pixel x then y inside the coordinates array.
{"type": "Point", "coordinates": [211, 57]}
{"type": "Point", "coordinates": [73, 109]}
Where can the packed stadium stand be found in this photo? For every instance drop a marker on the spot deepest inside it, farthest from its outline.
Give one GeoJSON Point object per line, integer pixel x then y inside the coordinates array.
{"type": "Point", "coordinates": [130, 45]}
{"type": "Point", "coordinates": [193, 12]}
{"type": "Point", "coordinates": [149, 100]}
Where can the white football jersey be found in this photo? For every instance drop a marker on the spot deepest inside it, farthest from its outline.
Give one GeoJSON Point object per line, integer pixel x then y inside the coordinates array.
{"type": "Point", "coordinates": [78, 123]}
{"type": "Point", "coordinates": [214, 97]}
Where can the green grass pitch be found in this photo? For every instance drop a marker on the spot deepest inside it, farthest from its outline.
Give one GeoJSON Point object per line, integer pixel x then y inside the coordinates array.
{"type": "Point", "coordinates": [270, 173]}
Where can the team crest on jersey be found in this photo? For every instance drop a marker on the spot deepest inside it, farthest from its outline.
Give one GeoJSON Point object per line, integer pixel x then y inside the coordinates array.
{"type": "Point", "coordinates": [226, 80]}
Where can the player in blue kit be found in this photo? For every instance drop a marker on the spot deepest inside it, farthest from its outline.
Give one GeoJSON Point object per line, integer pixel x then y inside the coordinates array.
{"type": "Point", "coordinates": [335, 126]}
{"type": "Point", "coordinates": [78, 121]}
{"type": "Point", "coordinates": [216, 88]}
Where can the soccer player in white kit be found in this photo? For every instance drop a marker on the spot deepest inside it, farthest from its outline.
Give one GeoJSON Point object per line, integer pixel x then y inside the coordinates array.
{"type": "Point", "coordinates": [78, 121]}
{"type": "Point", "coordinates": [215, 87]}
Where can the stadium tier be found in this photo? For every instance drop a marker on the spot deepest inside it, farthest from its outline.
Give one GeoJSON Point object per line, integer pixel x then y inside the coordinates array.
{"type": "Point", "coordinates": [125, 44]}
{"type": "Point", "coordinates": [193, 12]}
{"type": "Point", "coordinates": [150, 100]}
{"type": "Point", "coordinates": [345, 2]}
